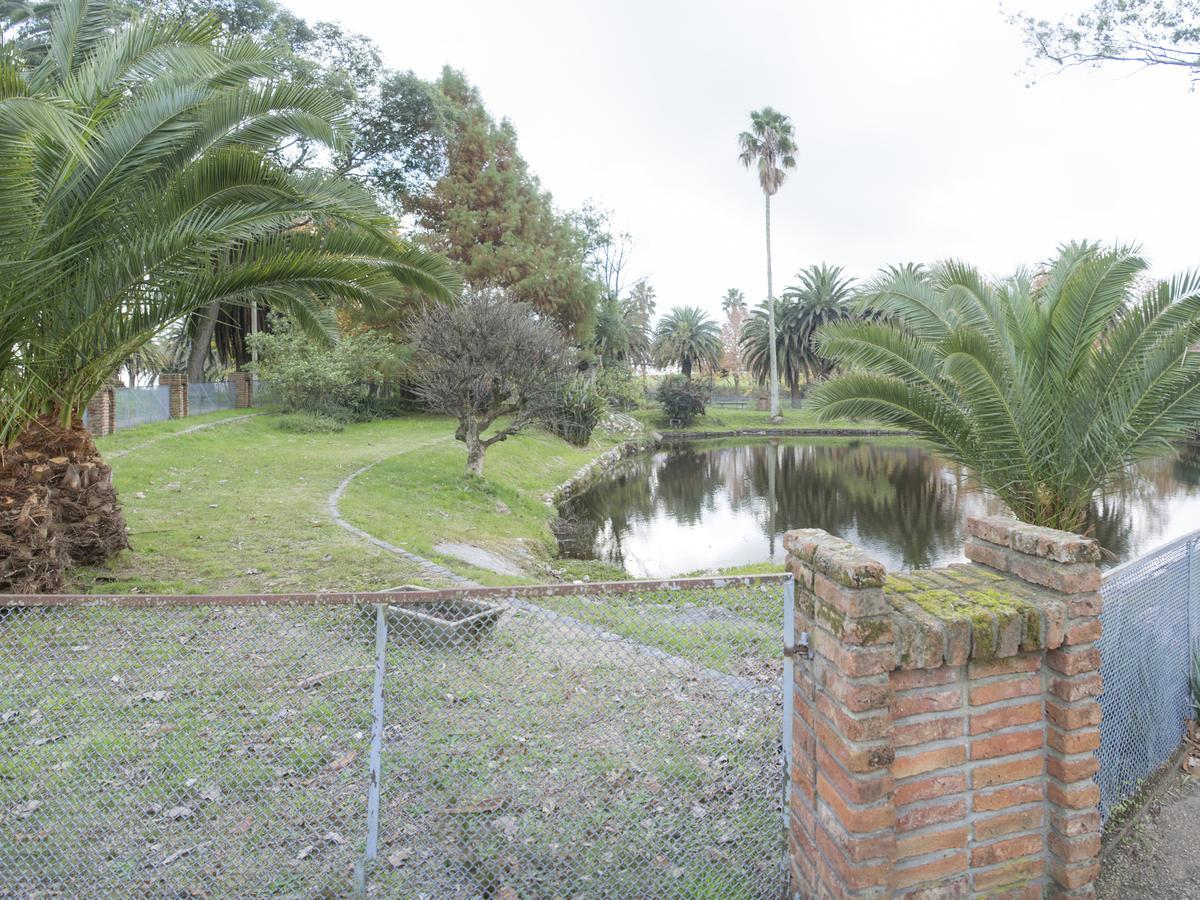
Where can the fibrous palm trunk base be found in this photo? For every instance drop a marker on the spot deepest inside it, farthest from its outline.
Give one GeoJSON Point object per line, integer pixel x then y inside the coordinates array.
{"type": "Point", "coordinates": [83, 523]}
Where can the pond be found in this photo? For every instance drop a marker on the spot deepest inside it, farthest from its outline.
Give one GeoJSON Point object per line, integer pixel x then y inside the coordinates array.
{"type": "Point", "coordinates": [701, 506]}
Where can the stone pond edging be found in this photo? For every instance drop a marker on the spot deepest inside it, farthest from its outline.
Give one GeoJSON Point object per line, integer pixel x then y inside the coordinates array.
{"type": "Point", "coordinates": [604, 464]}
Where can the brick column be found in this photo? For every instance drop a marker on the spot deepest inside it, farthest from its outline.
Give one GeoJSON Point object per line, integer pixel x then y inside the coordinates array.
{"type": "Point", "coordinates": [843, 831]}
{"type": "Point", "coordinates": [945, 722]}
{"type": "Point", "coordinates": [101, 412]}
{"type": "Point", "coordinates": [1067, 565]}
{"type": "Point", "coordinates": [242, 387]}
{"type": "Point", "coordinates": [178, 384]}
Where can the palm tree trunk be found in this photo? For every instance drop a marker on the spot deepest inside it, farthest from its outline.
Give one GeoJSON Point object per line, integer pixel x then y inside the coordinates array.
{"type": "Point", "coordinates": [202, 341]}
{"type": "Point", "coordinates": [771, 321]}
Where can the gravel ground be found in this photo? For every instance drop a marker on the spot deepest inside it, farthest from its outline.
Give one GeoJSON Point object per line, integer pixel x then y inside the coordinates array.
{"type": "Point", "coordinates": [1159, 858]}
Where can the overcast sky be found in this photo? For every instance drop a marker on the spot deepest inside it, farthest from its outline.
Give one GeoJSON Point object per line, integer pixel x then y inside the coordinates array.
{"type": "Point", "coordinates": [920, 135]}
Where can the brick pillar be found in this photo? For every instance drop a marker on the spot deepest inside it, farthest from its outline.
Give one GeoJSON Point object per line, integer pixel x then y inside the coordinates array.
{"type": "Point", "coordinates": [243, 389]}
{"type": "Point", "coordinates": [101, 412]}
{"type": "Point", "coordinates": [1066, 565]}
{"type": "Point", "coordinates": [945, 722]}
{"type": "Point", "coordinates": [843, 835]}
{"type": "Point", "coordinates": [178, 384]}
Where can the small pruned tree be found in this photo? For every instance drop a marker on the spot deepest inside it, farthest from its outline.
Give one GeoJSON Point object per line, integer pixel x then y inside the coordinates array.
{"type": "Point", "coordinates": [488, 361]}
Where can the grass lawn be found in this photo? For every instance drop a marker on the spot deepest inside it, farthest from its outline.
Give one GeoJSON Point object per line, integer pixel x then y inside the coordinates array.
{"type": "Point", "coordinates": [731, 419]}
{"type": "Point", "coordinates": [243, 507]}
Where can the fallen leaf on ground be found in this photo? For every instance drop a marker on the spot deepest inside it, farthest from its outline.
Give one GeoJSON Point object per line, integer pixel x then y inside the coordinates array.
{"type": "Point", "coordinates": [399, 857]}
{"type": "Point", "coordinates": [307, 852]}
{"type": "Point", "coordinates": [175, 813]}
{"type": "Point", "coordinates": [340, 763]}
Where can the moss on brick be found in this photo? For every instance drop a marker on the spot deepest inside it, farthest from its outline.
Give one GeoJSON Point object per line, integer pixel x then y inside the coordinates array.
{"type": "Point", "coordinates": [870, 630]}
{"type": "Point", "coordinates": [831, 618]}
{"type": "Point", "coordinates": [987, 610]}
{"type": "Point", "coordinates": [942, 604]}
{"type": "Point", "coordinates": [899, 585]}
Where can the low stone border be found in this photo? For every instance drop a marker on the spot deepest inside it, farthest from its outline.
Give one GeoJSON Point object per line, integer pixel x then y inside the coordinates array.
{"type": "Point", "coordinates": [602, 466]}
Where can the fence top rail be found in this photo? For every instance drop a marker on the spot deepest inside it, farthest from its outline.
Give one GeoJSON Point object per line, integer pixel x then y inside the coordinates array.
{"type": "Point", "coordinates": [400, 596]}
{"type": "Point", "coordinates": [1150, 554]}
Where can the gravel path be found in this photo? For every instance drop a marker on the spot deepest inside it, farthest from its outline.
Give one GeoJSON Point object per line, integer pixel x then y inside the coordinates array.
{"type": "Point", "coordinates": [1158, 859]}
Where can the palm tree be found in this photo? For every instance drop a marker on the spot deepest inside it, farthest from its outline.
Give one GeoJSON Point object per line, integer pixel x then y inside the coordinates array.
{"type": "Point", "coordinates": [822, 296]}
{"type": "Point", "coordinates": [733, 302]}
{"type": "Point", "coordinates": [789, 346]}
{"type": "Point", "coordinates": [771, 146]}
{"type": "Point", "coordinates": [1047, 386]}
{"type": "Point", "coordinates": [687, 338]}
{"type": "Point", "coordinates": [137, 188]}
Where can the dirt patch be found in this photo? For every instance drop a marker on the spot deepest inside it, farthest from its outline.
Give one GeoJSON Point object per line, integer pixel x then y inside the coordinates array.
{"type": "Point", "coordinates": [1158, 858]}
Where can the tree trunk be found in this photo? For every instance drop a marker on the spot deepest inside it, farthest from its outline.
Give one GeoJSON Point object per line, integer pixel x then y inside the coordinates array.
{"type": "Point", "coordinates": [775, 414]}
{"type": "Point", "coordinates": [475, 447]}
{"type": "Point", "coordinates": [202, 341]}
{"type": "Point", "coordinates": [686, 366]}
{"type": "Point", "coordinates": [59, 469]}
{"type": "Point", "coordinates": [795, 386]}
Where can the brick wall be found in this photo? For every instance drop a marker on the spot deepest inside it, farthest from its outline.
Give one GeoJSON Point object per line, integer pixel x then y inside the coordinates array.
{"type": "Point", "coordinates": [243, 389]}
{"type": "Point", "coordinates": [945, 721]}
{"type": "Point", "coordinates": [177, 384]}
{"type": "Point", "coordinates": [102, 412]}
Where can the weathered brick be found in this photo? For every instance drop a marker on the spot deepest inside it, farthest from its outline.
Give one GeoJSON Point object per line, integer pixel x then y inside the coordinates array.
{"type": "Point", "coordinates": [855, 876]}
{"type": "Point", "coordinates": [1007, 744]}
{"type": "Point", "coordinates": [1085, 604]}
{"type": "Point", "coordinates": [1066, 578]}
{"type": "Point", "coordinates": [986, 554]}
{"type": "Point", "coordinates": [851, 660]}
{"type": "Point", "coordinates": [871, 726]}
{"type": "Point", "coordinates": [858, 848]}
{"type": "Point", "coordinates": [856, 788]}
{"type": "Point", "coordinates": [1073, 715]}
{"type": "Point", "coordinates": [868, 631]}
{"type": "Point", "coordinates": [1074, 849]}
{"type": "Point", "coordinates": [934, 870]}
{"type": "Point", "coordinates": [1008, 797]}
{"type": "Point", "coordinates": [1005, 717]}
{"type": "Point", "coordinates": [989, 827]}
{"type": "Point", "coordinates": [1073, 876]}
{"type": "Point", "coordinates": [863, 694]}
{"type": "Point", "coordinates": [1073, 823]}
{"type": "Point", "coordinates": [1084, 631]}
{"type": "Point", "coordinates": [1004, 850]}
{"type": "Point", "coordinates": [834, 557]}
{"type": "Point", "coordinates": [1073, 768]}
{"type": "Point", "coordinates": [1077, 795]}
{"type": "Point", "coordinates": [1009, 874]}
{"type": "Point", "coordinates": [1007, 771]}
{"type": "Point", "coordinates": [993, 529]}
{"type": "Point", "coordinates": [929, 788]}
{"type": "Point", "coordinates": [1050, 544]}
{"type": "Point", "coordinates": [934, 814]}
{"type": "Point", "coordinates": [931, 841]}
{"type": "Point", "coordinates": [921, 761]}
{"type": "Point", "coordinates": [946, 889]}
{"type": "Point", "coordinates": [854, 818]}
{"type": "Point", "coordinates": [942, 728]}
{"type": "Point", "coordinates": [915, 704]}
{"type": "Point", "coordinates": [1080, 740]}
{"type": "Point", "coordinates": [1007, 689]}
{"type": "Point", "coordinates": [1012, 665]}
{"type": "Point", "coordinates": [852, 602]}
{"type": "Point", "coordinates": [910, 679]}
{"type": "Point", "coordinates": [855, 757]}
{"type": "Point", "coordinates": [1075, 661]}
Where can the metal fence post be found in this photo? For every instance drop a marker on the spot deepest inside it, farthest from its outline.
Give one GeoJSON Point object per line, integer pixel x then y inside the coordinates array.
{"type": "Point", "coordinates": [376, 763]}
{"type": "Point", "coordinates": [789, 702]}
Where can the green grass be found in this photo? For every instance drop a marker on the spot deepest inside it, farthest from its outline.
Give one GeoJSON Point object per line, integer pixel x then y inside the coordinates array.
{"type": "Point", "coordinates": [731, 419]}
{"type": "Point", "coordinates": [243, 507]}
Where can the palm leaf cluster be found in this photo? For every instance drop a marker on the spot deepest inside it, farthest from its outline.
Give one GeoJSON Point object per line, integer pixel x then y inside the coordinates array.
{"type": "Point", "coordinates": [1047, 385]}
{"type": "Point", "coordinates": [687, 338]}
{"type": "Point", "coordinates": [137, 188]}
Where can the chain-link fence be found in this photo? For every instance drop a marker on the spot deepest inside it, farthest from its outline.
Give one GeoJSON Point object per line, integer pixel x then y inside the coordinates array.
{"type": "Point", "coordinates": [1151, 633]}
{"type": "Point", "coordinates": [140, 406]}
{"type": "Point", "coordinates": [210, 396]}
{"type": "Point", "coordinates": [562, 741]}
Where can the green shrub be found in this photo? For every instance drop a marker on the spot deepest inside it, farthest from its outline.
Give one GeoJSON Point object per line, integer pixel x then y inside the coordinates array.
{"type": "Point", "coordinates": [682, 399]}
{"type": "Point", "coordinates": [307, 423]}
{"type": "Point", "coordinates": [329, 381]}
{"type": "Point", "coordinates": [617, 384]}
{"type": "Point", "coordinates": [580, 408]}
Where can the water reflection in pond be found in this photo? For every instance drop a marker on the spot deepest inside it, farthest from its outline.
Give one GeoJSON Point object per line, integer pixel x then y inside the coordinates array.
{"type": "Point", "coordinates": [704, 506]}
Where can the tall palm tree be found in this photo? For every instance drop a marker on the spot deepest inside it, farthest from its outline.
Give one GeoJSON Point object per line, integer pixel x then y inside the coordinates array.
{"type": "Point", "coordinates": [770, 146]}
{"type": "Point", "coordinates": [1047, 385]}
{"type": "Point", "coordinates": [137, 188]}
{"type": "Point", "coordinates": [733, 302]}
{"type": "Point", "coordinates": [822, 295]}
{"type": "Point", "coordinates": [687, 338]}
{"type": "Point", "coordinates": [788, 360]}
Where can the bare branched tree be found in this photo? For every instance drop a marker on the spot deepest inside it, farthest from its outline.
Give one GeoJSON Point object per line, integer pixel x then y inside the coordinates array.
{"type": "Point", "coordinates": [488, 361]}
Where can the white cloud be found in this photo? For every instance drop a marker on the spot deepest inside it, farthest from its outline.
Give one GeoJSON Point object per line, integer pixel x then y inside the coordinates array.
{"type": "Point", "coordinates": [919, 137]}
